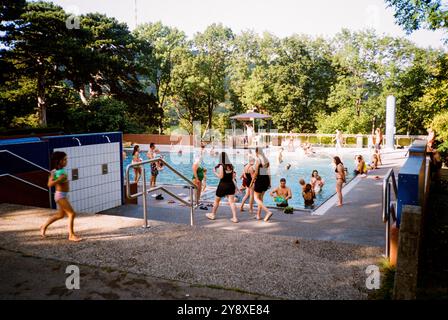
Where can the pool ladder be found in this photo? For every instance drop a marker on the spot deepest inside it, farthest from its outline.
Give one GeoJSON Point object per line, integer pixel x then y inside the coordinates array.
{"type": "Point", "coordinates": [145, 191]}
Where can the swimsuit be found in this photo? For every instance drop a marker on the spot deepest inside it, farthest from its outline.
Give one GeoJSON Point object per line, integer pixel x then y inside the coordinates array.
{"type": "Point", "coordinates": [263, 182]}
{"type": "Point", "coordinates": [200, 173]}
{"type": "Point", "coordinates": [226, 186]}
{"type": "Point", "coordinates": [248, 179]}
{"type": "Point", "coordinates": [58, 195]}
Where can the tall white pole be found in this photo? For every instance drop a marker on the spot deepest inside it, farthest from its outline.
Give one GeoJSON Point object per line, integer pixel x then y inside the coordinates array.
{"type": "Point", "coordinates": [390, 122]}
{"type": "Point", "coordinates": [135, 12]}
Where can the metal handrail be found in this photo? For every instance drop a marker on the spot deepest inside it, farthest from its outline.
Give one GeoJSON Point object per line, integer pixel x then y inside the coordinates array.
{"type": "Point", "coordinates": [24, 181]}
{"type": "Point", "coordinates": [389, 209]}
{"type": "Point", "coordinates": [146, 191]}
{"type": "Point", "coordinates": [21, 158]}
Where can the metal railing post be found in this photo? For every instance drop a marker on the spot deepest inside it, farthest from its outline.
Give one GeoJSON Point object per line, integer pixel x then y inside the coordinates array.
{"type": "Point", "coordinates": [389, 185]}
{"type": "Point", "coordinates": [387, 208]}
{"type": "Point", "coordinates": [145, 209]}
{"type": "Point", "coordinates": [192, 206]}
{"type": "Point", "coordinates": [145, 191]}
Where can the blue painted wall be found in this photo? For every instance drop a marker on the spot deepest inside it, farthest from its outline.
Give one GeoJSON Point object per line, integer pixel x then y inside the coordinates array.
{"type": "Point", "coordinates": [36, 152]}
{"type": "Point", "coordinates": [410, 179]}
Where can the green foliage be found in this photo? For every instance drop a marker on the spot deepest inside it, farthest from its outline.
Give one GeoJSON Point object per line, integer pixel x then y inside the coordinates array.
{"type": "Point", "coordinates": [154, 78]}
{"type": "Point", "coordinates": [346, 120]}
{"type": "Point", "coordinates": [102, 114]}
{"type": "Point", "coordinates": [440, 126]}
{"type": "Point", "coordinates": [417, 14]}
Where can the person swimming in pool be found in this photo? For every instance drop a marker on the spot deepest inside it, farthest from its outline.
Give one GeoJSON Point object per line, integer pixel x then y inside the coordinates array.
{"type": "Point", "coordinates": [281, 194]}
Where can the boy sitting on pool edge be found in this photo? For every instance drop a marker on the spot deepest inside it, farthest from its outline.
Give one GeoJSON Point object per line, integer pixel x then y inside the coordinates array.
{"type": "Point", "coordinates": [281, 194]}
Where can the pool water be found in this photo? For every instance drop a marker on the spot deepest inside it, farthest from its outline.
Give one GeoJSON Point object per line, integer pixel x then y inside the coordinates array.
{"type": "Point", "coordinates": [301, 167]}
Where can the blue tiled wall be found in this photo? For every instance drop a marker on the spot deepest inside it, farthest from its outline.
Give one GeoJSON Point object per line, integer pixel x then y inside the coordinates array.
{"type": "Point", "coordinates": [39, 150]}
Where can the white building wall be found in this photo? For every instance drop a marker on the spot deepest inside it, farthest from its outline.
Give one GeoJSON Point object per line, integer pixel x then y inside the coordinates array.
{"type": "Point", "coordinates": [94, 191]}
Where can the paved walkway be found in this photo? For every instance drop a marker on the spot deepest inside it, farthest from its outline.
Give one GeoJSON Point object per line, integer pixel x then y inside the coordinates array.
{"type": "Point", "coordinates": [262, 264]}
{"type": "Point", "coordinates": [359, 221]}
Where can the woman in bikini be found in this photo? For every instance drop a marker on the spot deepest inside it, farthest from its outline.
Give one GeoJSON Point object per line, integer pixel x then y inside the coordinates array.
{"type": "Point", "coordinates": [340, 177]}
{"type": "Point", "coordinates": [136, 159]}
{"type": "Point", "coordinates": [247, 176]}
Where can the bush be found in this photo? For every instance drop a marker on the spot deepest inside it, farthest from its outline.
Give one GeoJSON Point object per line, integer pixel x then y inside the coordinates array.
{"type": "Point", "coordinates": [440, 126]}
{"type": "Point", "coordinates": [346, 120]}
{"type": "Point", "coordinates": [102, 114]}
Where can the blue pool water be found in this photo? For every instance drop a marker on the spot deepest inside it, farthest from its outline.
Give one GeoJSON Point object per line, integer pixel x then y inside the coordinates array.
{"type": "Point", "coordinates": [301, 167]}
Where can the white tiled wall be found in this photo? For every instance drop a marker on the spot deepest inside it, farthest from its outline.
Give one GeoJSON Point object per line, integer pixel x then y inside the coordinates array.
{"type": "Point", "coordinates": [94, 191]}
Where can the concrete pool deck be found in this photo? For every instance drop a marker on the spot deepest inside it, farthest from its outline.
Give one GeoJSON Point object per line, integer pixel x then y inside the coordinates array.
{"type": "Point", "coordinates": [359, 221]}
{"type": "Point", "coordinates": [299, 256]}
{"type": "Point", "coordinates": [255, 265]}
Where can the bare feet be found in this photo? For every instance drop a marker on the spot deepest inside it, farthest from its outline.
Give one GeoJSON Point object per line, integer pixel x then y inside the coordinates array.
{"type": "Point", "coordinates": [242, 208]}
{"type": "Point", "coordinates": [267, 217]}
{"type": "Point", "coordinates": [339, 205]}
{"type": "Point", "coordinates": [74, 238]}
{"type": "Point", "coordinates": [257, 217]}
{"type": "Point", "coordinates": [42, 231]}
{"type": "Point", "coordinates": [234, 220]}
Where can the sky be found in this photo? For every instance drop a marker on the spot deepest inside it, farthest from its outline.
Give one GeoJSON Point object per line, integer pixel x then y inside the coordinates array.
{"type": "Point", "coordinates": [280, 17]}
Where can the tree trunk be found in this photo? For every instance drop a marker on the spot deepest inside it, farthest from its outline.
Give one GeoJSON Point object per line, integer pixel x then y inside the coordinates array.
{"type": "Point", "coordinates": [41, 100]}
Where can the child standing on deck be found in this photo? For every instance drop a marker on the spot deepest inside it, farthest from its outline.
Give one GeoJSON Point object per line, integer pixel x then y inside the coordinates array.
{"type": "Point", "coordinates": [59, 179]}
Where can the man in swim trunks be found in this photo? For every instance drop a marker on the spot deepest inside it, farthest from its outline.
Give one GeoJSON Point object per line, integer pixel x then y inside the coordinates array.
{"type": "Point", "coordinates": [281, 194]}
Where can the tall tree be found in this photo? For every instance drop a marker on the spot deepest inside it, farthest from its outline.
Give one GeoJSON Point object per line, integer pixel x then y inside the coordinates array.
{"type": "Point", "coordinates": [212, 48]}
{"type": "Point", "coordinates": [37, 45]}
{"type": "Point", "coordinates": [168, 44]}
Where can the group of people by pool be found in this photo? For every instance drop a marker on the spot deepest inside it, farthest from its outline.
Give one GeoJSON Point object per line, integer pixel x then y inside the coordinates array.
{"type": "Point", "coordinates": [256, 181]}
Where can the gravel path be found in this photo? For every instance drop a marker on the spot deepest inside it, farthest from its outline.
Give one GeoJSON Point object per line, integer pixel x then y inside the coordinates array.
{"type": "Point", "coordinates": [277, 266]}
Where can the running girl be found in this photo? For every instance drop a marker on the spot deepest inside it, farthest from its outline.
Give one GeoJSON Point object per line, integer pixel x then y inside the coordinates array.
{"type": "Point", "coordinates": [59, 179]}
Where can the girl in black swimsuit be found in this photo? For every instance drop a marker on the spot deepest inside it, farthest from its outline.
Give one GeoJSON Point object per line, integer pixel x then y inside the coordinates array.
{"type": "Point", "coordinates": [247, 175]}
{"type": "Point", "coordinates": [226, 187]}
{"type": "Point", "coordinates": [261, 183]}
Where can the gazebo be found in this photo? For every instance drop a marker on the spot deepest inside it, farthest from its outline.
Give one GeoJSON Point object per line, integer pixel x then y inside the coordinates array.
{"type": "Point", "coordinates": [245, 117]}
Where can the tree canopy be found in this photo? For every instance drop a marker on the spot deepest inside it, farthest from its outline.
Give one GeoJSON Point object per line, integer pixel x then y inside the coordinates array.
{"type": "Point", "coordinates": [154, 79]}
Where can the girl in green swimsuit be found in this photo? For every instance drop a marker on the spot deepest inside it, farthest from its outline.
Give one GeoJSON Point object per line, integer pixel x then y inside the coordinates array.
{"type": "Point", "coordinates": [198, 177]}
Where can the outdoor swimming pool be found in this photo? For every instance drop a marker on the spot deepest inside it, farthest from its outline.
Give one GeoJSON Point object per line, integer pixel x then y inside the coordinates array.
{"type": "Point", "coordinates": [301, 167]}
